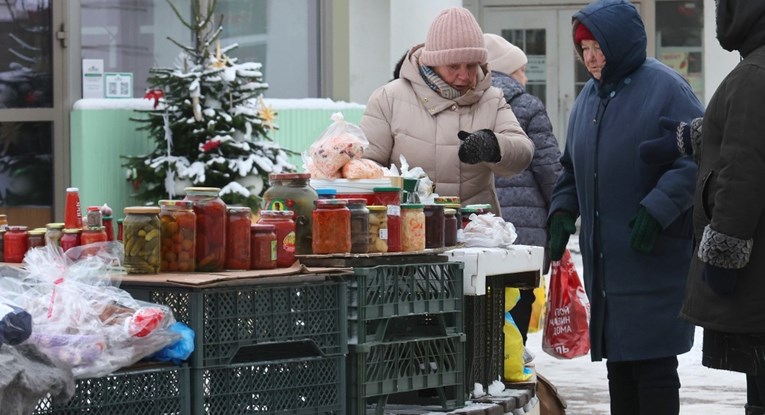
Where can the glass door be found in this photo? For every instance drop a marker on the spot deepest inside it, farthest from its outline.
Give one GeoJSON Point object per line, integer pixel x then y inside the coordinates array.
{"type": "Point", "coordinates": [31, 117]}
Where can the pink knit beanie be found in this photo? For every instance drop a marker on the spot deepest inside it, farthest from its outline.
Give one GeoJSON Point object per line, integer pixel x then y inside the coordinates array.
{"type": "Point", "coordinates": [454, 37]}
{"type": "Point", "coordinates": [503, 56]}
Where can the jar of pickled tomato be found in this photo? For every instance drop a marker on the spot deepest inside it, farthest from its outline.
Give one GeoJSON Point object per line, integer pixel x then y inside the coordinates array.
{"type": "Point", "coordinates": [178, 228]}
{"type": "Point", "coordinates": [238, 237]}
{"type": "Point", "coordinates": [262, 246]}
{"type": "Point", "coordinates": [211, 228]}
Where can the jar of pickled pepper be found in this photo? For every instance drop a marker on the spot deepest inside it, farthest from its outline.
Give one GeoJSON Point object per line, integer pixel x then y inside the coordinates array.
{"type": "Point", "coordinates": [292, 191]}
{"type": "Point", "coordinates": [178, 229]}
{"type": "Point", "coordinates": [70, 238]}
{"type": "Point", "coordinates": [238, 237]}
{"type": "Point", "coordinates": [142, 239]}
{"type": "Point", "coordinates": [285, 234]}
{"type": "Point", "coordinates": [16, 244]}
{"type": "Point", "coordinates": [211, 228]}
{"type": "Point", "coordinates": [331, 227]}
{"type": "Point", "coordinates": [262, 246]}
{"type": "Point", "coordinates": [412, 227]}
{"type": "Point", "coordinates": [378, 229]}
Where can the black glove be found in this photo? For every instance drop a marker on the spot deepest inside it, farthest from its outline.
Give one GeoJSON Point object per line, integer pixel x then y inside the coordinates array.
{"type": "Point", "coordinates": [645, 230]}
{"type": "Point", "coordinates": [479, 146]}
{"type": "Point", "coordinates": [674, 143]}
{"type": "Point", "coordinates": [721, 280]}
{"type": "Point", "coordinates": [562, 225]}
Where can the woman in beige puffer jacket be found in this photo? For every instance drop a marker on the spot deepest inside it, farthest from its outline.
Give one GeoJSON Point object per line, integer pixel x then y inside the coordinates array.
{"type": "Point", "coordinates": [409, 117]}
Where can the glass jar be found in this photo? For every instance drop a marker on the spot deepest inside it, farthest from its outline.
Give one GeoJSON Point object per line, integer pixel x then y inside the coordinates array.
{"type": "Point", "coordinates": [391, 198]}
{"type": "Point", "coordinates": [285, 234]}
{"type": "Point", "coordinates": [70, 238]}
{"type": "Point", "coordinates": [36, 238]}
{"type": "Point", "coordinates": [434, 226]}
{"type": "Point", "coordinates": [119, 228]}
{"type": "Point", "coordinates": [331, 227]}
{"type": "Point", "coordinates": [93, 217]}
{"type": "Point", "coordinates": [291, 191]}
{"type": "Point", "coordinates": [142, 239]}
{"type": "Point", "coordinates": [238, 237]}
{"type": "Point", "coordinates": [53, 233]}
{"type": "Point", "coordinates": [467, 211]}
{"type": "Point", "coordinates": [457, 212]}
{"type": "Point", "coordinates": [359, 225]}
{"type": "Point", "coordinates": [378, 229]}
{"type": "Point", "coordinates": [16, 244]}
{"type": "Point", "coordinates": [450, 227]}
{"type": "Point", "coordinates": [178, 228]}
{"type": "Point", "coordinates": [211, 228]}
{"type": "Point", "coordinates": [92, 234]}
{"type": "Point", "coordinates": [108, 227]}
{"type": "Point", "coordinates": [262, 246]}
{"type": "Point", "coordinates": [3, 221]}
{"type": "Point", "coordinates": [412, 228]}
{"type": "Point", "coordinates": [2, 244]}
{"type": "Point", "coordinates": [326, 193]}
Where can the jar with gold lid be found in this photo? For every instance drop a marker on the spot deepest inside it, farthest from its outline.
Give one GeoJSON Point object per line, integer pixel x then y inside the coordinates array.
{"type": "Point", "coordinates": [141, 229]}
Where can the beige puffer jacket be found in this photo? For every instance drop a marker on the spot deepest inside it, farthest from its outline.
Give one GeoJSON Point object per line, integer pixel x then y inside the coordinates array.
{"type": "Point", "coordinates": [406, 117]}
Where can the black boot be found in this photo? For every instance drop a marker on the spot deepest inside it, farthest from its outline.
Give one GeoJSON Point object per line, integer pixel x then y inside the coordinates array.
{"type": "Point", "coordinates": [754, 410]}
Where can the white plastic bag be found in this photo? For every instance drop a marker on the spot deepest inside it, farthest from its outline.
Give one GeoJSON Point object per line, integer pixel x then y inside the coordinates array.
{"type": "Point", "coordinates": [489, 231]}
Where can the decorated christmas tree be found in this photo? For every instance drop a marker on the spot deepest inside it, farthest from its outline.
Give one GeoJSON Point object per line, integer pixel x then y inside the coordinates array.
{"type": "Point", "coordinates": [209, 122]}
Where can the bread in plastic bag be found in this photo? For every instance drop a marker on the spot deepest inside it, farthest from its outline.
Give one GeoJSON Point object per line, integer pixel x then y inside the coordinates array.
{"type": "Point", "coordinates": [340, 143]}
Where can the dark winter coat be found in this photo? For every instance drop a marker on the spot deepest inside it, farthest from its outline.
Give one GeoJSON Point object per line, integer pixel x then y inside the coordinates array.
{"type": "Point", "coordinates": [635, 298]}
{"type": "Point", "coordinates": [730, 195]}
{"type": "Point", "coordinates": [524, 199]}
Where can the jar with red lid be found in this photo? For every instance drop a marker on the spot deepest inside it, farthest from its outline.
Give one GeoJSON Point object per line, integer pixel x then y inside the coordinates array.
{"type": "Point", "coordinates": [36, 238]}
{"type": "Point", "coordinates": [412, 228]}
{"type": "Point", "coordinates": [262, 246]}
{"type": "Point", "coordinates": [391, 198]}
{"type": "Point", "coordinates": [142, 239]}
{"type": "Point", "coordinates": [16, 244]}
{"type": "Point", "coordinates": [450, 227]}
{"type": "Point", "coordinates": [93, 234]}
{"type": "Point", "coordinates": [285, 234]}
{"type": "Point", "coordinates": [331, 227]}
{"type": "Point", "coordinates": [238, 237]}
{"type": "Point", "coordinates": [292, 191]}
{"type": "Point", "coordinates": [178, 228]}
{"type": "Point", "coordinates": [211, 228]}
{"type": "Point", "coordinates": [70, 238]}
{"type": "Point", "coordinates": [359, 225]}
{"type": "Point", "coordinates": [434, 226]}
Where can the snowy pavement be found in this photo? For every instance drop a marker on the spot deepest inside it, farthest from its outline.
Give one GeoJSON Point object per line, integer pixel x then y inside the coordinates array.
{"type": "Point", "coordinates": [584, 385]}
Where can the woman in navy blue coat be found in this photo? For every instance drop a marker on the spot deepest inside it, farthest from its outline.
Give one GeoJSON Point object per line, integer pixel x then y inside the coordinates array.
{"type": "Point", "coordinates": [635, 231]}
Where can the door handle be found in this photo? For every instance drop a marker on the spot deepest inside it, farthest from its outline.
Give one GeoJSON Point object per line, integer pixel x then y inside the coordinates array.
{"type": "Point", "coordinates": [62, 36]}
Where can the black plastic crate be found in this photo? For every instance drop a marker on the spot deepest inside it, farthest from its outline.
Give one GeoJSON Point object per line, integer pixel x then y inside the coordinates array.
{"type": "Point", "coordinates": [154, 390]}
{"type": "Point", "coordinates": [229, 321]}
{"type": "Point", "coordinates": [378, 294]}
{"type": "Point", "coordinates": [298, 385]}
{"type": "Point", "coordinates": [377, 371]}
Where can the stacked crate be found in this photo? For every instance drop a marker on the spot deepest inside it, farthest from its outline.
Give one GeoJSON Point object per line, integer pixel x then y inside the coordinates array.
{"type": "Point", "coordinates": [406, 335]}
{"type": "Point", "coordinates": [262, 347]}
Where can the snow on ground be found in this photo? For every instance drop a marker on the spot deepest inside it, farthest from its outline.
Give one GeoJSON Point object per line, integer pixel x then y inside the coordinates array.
{"type": "Point", "coordinates": [585, 387]}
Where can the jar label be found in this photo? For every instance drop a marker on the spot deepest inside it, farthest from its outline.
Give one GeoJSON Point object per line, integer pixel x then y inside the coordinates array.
{"type": "Point", "coordinates": [394, 210]}
{"type": "Point", "coordinates": [384, 233]}
{"type": "Point", "coordinates": [280, 204]}
{"type": "Point", "coordinates": [273, 250]}
{"type": "Point", "coordinates": [289, 242]}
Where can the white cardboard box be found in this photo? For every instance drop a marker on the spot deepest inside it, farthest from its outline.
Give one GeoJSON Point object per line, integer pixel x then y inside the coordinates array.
{"type": "Point", "coordinates": [480, 262]}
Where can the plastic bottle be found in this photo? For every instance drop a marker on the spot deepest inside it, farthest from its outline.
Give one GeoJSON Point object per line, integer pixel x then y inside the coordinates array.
{"type": "Point", "coordinates": [72, 211]}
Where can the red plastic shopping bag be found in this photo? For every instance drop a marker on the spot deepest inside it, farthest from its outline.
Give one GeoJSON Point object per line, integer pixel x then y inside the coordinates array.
{"type": "Point", "coordinates": [567, 331]}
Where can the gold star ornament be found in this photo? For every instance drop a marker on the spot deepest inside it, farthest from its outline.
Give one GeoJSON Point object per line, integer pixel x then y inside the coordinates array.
{"type": "Point", "coordinates": [267, 114]}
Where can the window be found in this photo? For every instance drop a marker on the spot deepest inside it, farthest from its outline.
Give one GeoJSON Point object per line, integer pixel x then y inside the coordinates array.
{"type": "Point", "coordinates": [679, 34]}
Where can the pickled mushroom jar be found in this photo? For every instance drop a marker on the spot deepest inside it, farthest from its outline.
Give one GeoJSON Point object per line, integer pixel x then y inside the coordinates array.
{"type": "Point", "coordinates": [238, 237]}
{"type": "Point", "coordinates": [211, 228]}
{"type": "Point", "coordinates": [178, 229]}
{"type": "Point", "coordinates": [142, 239]}
{"type": "Point", "coordinates": [285, 234]}
{"type": "Point", "coordinates": [331, 227]}
{"type": "Point", "coordinates": [292, 191]}
{"type": "Point", "coordinates": [378, 229]}
{"type": "Point", "coordinates": [412, 227]}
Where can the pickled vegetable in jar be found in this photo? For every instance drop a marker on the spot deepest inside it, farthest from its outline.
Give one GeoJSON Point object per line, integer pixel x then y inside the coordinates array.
{"type": "Point", "coordinates": [142, 239]}
{"type": "Point", "coordinates": [412, 228]}
{"type": "Point", "coordinates": [285, 234]}
{"type": "Point", "coordinates": [93, 234]}
{"type": "Point", "coordinates": [331, 227]}
{"type": "Point", "coordinates": [262, 246]}
{"type": "Point", "coordinates": [450, 227]}
{"type": "Point", "coordinates": [16, 243]}
{"type": "Point", "coordinates": [238, 238]}
{"type": "Point", "coordinates": [36, 238]}
{"type": "Point", "coordinates": [70, 238]}
{"type": "Point", "coordinates": [53, 233]}
{"type": "Point", "coordinates": [434, 226]}
{"type": "Point", "coordinates": [359, 225]}
{"type": "Point", "coordinates": [178, 229]}
{"type": "Point", "coordinates": [291, 191]}
{"type": "Point", "coordinates": [211, 228]}
{"type": "Point", "coordinates": [391, 198]}
{"type": "Point", "coordinates": [378, 229]}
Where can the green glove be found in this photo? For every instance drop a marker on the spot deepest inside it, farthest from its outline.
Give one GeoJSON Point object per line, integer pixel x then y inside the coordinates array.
{"type": "Point", "coordinates": [645, 230]}
{"type": "Point", "coordinates": [561, 227]}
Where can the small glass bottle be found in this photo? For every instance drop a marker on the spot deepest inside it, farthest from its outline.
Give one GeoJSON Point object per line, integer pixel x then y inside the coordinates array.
{"type": "Point", "coordinates": [262, 246]}
{"type": "Point", "coordinates": [434, 226]}
{"type": "Point", "coordinates": [211, 228]}
{"type": "Point", "coordinates": [450, 227]}
{"type": "Point", "coordinates": [53, 233]}
{"type": "Point", "coordinates": [285, 234]}
{"type": "Point", "coordinates": [70, 238]}
{"type": "Point", "coordinates": [378, 229]}
{"type": "Point", "coordinates": [16, 244]}
{"type": "Point", "coordinates": [412, 227]}
{"type": "Point", "coordinates": [36, 238]}
{"type": "Point", "coordinates": [331, 227]}
{"type": "Point", "coordinates": [238, 237]}
{"type": "Point", "coordinates": [93, 217]}
{"type": "Point", "coordinates": [179, 233]}
{"type": "Point", "coordinates": [142, 240]}
{"type": "Point", "coordinates": [359, 225]}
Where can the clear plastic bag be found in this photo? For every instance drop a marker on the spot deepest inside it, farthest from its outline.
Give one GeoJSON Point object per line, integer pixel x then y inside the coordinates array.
{"type": "Point", "coordinates": [340, 143]}
{"type": "Point", "coordinates": [489, 231]}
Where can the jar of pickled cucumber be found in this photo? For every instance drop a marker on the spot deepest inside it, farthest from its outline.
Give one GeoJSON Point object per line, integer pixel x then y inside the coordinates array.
{"type": "Point", "coordinates": [211, 228]}
{"type": "Point", "coordinates": [141, 231]}
{"type": "Point", "coordinates": [378, 229]}
{"type": "Point", "coordinates": [179, 232]}
{"type": "Point", "coordinates": [238, 237]}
